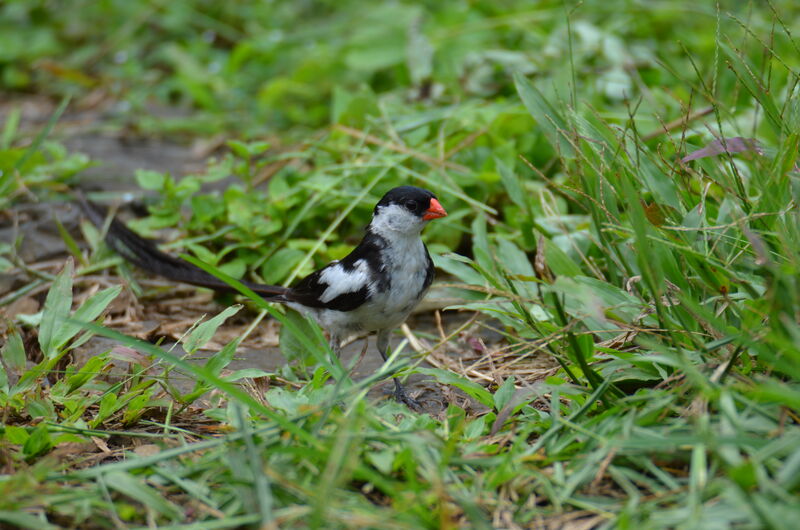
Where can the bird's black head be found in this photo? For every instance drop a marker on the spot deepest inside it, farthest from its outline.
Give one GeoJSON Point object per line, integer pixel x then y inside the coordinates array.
{"type": "Point", "coordinates": [406, 209]}
{"type": "Point", "coordinates": [418, 201]}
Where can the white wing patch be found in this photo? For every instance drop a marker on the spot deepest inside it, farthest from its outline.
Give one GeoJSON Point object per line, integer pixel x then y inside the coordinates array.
{"type": "Point", "coordinates": [341, 281]}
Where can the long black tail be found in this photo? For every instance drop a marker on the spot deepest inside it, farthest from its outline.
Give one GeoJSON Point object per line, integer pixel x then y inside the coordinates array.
{"type": "Point", "coordinates": [145, 255]}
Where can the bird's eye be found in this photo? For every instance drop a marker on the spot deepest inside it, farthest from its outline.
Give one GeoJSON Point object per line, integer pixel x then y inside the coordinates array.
{"type": "Point", "coordinates": [411, 205]}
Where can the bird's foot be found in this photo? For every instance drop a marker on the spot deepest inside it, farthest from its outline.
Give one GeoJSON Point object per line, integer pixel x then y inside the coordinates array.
{"type": "Point", "coordinates": [401, 396]}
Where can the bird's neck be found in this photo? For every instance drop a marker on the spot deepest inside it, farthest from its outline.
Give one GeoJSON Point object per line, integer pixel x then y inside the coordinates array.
{"type": "Point", "coordinates": [392, 236]}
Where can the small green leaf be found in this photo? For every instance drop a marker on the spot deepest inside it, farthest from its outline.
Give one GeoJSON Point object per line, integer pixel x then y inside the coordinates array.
{"type": "Point", "coordinates": [238, 148]}
{"type": "Point", "coordinates": [514, 260]}
{"type": "Point", "coordinates": [136, 407]}
{"type": "Point", "coordinates": [16, 435]}
{"type": "Point", "coordinates": [138, 490]}
{"type": "Point", "coordinates": [471, 388]}
{"type": "Point", "coordinates": [203, 332]}
{"type": "Point", "coordinates": [234, 268]}
{"type": "Point", "coordinates": [291, 346]}
{"type": "Point", "coordinates": [745, 475]}
{"type": "Point", "coordinates": [40, 408]}
{"type": "Point", "coordinates": [13, 352]}
{"type": "Point", "coordinates": [246, 372]}
{"type": "Point", "coordinates": [512, 184]}
{"type": "Point", "coordinates": [257, 148]}
{"type": "Point", "coordinates": [480, 244]}
{"type": "Point", "coordinates": [559, 261]}
{"type": "Point", "coordinates": [278, 267]}
{"type": "Point", "coordinates": [56, 310]}
{"type": "Point", "coordinates": [88, 311]}
{"type": "Point", "coordinates": [504, 393]}
{"type": "Point", "coordinates": [217, 362]}
{"type": "Point", "coordinates": [10, 128]}
{"type": "Point", "coordinates": [151, 180]}
{"type": "Point", "coordinates": [90, 370]}
{"type": "Point", "coordinates": [547, 117]}
{"type": "Point", "coordinates": [69, 241]}
{"type": "Point", "coordinates": [108, 405]}
{"type": "Point", "coordinates": [460, 267]}
{"type": "Point", "coordinates": [38, 442]}
{"type": "Point", "coordinates": [19, 519]}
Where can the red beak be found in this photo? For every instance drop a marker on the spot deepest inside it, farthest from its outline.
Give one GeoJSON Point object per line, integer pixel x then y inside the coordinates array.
{"type": "Point", "coordinates": [434, 211]}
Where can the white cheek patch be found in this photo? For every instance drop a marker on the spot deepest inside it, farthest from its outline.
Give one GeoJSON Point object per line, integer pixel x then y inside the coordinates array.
{"type": "Point", "coordinates": [395, 218]}
{"type": "Point", "coordinates": [341, 281]}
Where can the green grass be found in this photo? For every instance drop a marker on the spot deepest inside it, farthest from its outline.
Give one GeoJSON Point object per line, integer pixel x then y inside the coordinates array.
{"type": "Point", "coordinates": [667, 291]}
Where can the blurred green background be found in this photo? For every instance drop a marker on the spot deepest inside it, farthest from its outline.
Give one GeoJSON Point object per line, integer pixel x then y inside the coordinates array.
{"type": "Point", "coordinates": [326, 96]}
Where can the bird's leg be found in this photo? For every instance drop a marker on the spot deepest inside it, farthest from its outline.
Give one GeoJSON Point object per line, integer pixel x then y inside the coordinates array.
{"type": "Point", "coordinates": [336, 344]}
{"type": "Point", "coordinates": [399, 392]}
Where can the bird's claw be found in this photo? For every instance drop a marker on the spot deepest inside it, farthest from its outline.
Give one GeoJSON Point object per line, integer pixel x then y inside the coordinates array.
{"type": "Point", "coordinates": [401, 396]}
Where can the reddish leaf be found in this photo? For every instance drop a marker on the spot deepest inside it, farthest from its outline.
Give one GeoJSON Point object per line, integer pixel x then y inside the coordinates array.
{"type": "Point", "coordinates": [737, 144]}
{"type": "Point", "coordinates": [123, 353]}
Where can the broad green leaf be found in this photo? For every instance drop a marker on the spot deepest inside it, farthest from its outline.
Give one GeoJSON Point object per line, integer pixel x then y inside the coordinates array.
{"type": "Point", "coordinates": [56, 309]}
{"type": "Point", "coordinates": [151, 180]}
{"type": "Point", "coordinates": [205, 331]}
{"type": "Point", "coordinates": [16, 435]}
{"type": "Point", "coordinates": [504, 393]}
{"type": "Point", "coordinates": [558, 260]}
{"type": "Point", "coordinates": [661, 185]}
{"type": "Point", "coordinates": [471, 388]}
{"type": "Point", "coordinates": [457, 265]}
{"type": "Point", "coordinates": [291, 346]}
{"type": "Point", "coordinates": [88, 311]}
{"type": "Point", "coordinates": [88, 372]}
{"type": "Point", "coordinates": [217, 362]}
{"type": "Point", "coordinates": [547, 117]}
{"type": "Point", "coordinates": [13, 352]}
{"type": "Point", "coordinates": [513, 259]}
{"type": "Point", "coordinates": [108, 405]}
{"type": "Point", "coordinates": [512, 184]}
{"type": "Point", "coordinates": [246, 372]}
{"type": "Point", "coordinates": [136, 489]}
{"type": "Point", "coordinates": [38, 442]}
{"type": "Point", "coordinates": [10, 127]}
{"type": "Point", "coordinates": [18, 519]}
{"type": "Point", "coordinates": [480, 244]}
{"type": "Point", "coordinates": [278, 267]}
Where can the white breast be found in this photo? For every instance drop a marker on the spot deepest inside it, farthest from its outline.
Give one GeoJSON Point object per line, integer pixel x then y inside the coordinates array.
{"type": "Point", "coordinates": [407, 264]}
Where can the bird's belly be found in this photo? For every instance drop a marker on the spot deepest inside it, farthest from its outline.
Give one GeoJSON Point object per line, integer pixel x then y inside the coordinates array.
{"type": "Point", "coordinates": [390, 309]}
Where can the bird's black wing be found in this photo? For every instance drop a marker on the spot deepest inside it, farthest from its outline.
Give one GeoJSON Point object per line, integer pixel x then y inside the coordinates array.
{"type": "Point", "coordinates": [357, 276]}
{"type": "Point", "coordinates": [310, 290]}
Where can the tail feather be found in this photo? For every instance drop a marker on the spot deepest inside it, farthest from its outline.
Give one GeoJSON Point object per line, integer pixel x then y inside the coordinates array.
{"type": "Point", "coordinates": [146, 256]}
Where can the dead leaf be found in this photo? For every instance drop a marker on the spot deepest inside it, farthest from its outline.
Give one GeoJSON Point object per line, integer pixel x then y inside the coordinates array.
{"type": "Point", "coordinates": [26, 305]}
{"type": "Point", "coordinates": [123, 353]}
{"type": "Point", "coordinates": [147, 450]}
{"type": "Point", "coordinates": [101, 444]}
{"type": "Point", "coordinates": [737, 144]}
{"type": "Point", "coordinates": [70, 450]}
{"type": "Point", "coordinates": [540, 263]}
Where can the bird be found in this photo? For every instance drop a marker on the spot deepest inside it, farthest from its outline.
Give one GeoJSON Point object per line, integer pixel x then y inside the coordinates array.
{"type": "Point", "coordinates": [371, 290]}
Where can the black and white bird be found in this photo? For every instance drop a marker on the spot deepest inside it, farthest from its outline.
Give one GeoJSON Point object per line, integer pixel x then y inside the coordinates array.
{"type": "Point", "coordinates": [372, 289]}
